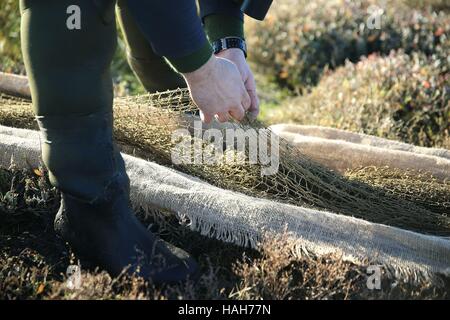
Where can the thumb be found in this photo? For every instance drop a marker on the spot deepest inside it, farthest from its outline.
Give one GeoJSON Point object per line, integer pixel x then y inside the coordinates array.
{"type": "Point", "coordinates": [250, 86]}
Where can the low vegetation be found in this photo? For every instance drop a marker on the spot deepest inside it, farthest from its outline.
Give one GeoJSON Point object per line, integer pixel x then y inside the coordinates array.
{"type": "Point", "coordinates": [300, 40]}
{"type": "Point", "coordinates": [33, 261]}
{"type": "Point", "coordinates": [402, 97]}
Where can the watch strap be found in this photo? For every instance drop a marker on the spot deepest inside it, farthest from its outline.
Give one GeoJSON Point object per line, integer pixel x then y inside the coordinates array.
{"type": "Point", "coordinates": [228, 43]}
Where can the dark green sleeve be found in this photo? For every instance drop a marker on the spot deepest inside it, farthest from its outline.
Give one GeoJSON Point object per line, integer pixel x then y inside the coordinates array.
{"type": "Point", "coordinates": [221, 25]}
{"type": "Point", "coordinates": [174, 30]}
{"type": "Point", "coordinates": [216, 26]}
{"type": "Point", "coordinates": [193, 61]}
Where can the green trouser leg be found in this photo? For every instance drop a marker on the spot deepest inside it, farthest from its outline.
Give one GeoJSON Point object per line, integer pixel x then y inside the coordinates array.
{"type": "Point", "coordinates": [152, 70]}
{"type": "Point", "coordinates": [72, 91]}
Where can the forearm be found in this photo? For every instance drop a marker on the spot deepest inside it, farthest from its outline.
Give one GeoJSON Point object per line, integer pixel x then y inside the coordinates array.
{"type": "Point", "coordinates": [222, 18]}
{"type": "Point", "coordinates": [225, 18]}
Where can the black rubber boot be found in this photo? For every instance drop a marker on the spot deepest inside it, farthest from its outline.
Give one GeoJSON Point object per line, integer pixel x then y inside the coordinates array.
{"type": "Point", "coordinates": [107, 233]}
{"type": "Point", "coordinates": [95, 216]}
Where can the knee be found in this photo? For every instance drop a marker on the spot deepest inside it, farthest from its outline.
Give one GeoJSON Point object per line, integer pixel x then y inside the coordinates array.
{"type": "Point", "coordinates": [68, 70]}
{"type": "Point", "coordinates": [156, 74]}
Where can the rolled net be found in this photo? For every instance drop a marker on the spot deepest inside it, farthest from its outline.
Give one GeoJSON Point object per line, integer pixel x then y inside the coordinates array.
{"type": "Point", "coordinates": [144, 126]}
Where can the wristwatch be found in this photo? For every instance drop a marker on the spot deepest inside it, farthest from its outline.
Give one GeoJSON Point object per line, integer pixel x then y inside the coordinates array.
{"type": "Point", "coordinates": [229, 42]}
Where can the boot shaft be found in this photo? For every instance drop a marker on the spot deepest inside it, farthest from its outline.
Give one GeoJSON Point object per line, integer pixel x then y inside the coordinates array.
{"type": "Point", "coordinates": [81, 156]}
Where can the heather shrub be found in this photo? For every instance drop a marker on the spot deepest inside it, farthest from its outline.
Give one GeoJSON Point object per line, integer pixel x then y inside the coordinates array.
{"type": "Point", "coordinates": [434, 4]}
{"type": "Point", "coordinates": [399, 97]}
{"type": "Point", "coordinates": [10, 54]}
{"type": "Point", "coordinates": [301, 39]}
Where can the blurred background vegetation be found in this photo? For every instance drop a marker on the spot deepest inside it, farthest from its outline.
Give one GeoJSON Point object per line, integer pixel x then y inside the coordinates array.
{"type": "Point", "coordinates": [11, 58]}
{"type": "Point", "coordinates": [318, 62]}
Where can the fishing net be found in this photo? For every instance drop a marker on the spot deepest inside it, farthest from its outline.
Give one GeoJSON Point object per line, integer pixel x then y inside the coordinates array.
{"type": "Point", "coordinates": [144, 126]}
{"type": "Point", "coordinates": [418, 187]}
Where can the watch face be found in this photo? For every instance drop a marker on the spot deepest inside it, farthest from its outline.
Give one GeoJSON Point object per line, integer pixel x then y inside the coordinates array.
{"type": "Point", "coordinates": [233, 43]}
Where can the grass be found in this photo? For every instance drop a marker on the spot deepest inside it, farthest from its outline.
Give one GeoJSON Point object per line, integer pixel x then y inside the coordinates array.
{"type": "Point", "coordinates": [33, 261]}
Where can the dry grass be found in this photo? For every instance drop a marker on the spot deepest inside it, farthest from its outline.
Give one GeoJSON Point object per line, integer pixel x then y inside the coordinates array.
{"type": "Point", "coordinates": [33, 261]}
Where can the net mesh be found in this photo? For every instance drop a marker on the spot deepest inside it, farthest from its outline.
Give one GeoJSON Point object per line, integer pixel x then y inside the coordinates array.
{"type": "Point", "coordinates": [144, 126]}
{"type": "Point", "coordinates": [418, 187]}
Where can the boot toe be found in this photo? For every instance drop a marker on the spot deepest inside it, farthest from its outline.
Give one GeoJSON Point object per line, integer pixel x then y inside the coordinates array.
{"type": "Point", "coordinates": [185, 268]}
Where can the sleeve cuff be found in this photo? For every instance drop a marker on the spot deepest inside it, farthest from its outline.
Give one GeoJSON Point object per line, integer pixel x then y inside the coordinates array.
{"type": "Point", "coordinates": [219, 26]}
{"type": "Point", "coordinates": [225, 7]}
{"type": "Point", "coordinates": [193, 61]}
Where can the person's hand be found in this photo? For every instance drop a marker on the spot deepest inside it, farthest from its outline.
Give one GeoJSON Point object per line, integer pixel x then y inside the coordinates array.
{"type": "Point", "coordinates": [218, 90]}
{"type": "Point", "coordinates": [237, 56]}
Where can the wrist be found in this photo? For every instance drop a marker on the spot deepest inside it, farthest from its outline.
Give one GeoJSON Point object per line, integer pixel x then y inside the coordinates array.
{"type": "Point", "coordinates": [231, 54]}
{"type": "Point", "coordinates": [201, 73]}
{"type": "Point", "coordinates": [193, 61]}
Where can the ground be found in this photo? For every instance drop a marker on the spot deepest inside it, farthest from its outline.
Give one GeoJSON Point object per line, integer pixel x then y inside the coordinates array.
{"type": "Point", "coordinates": [34, 261]}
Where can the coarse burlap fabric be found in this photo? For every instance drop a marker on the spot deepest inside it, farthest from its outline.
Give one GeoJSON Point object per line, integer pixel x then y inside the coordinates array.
{"type": "Point", "coordinates": [243, 220]}
{"type": "Point", "coordinates": [342, 150]}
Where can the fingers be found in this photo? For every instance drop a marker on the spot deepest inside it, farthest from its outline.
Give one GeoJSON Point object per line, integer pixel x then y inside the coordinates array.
{"type": "Point", "coordinates": [250, 85]}
{"type": "Point", "coordinates": [221, 92]}
{"type": "Point", "coordinates": [254, 106]}
{"type": "Point", "coordinates": [246, 100]}
{"type": "Point", "coordinates": [205, 117]}
{"type": "Point", "coordinates": [238, 110]}
{"type": "Point", "coordinates": [237, 113]}
{"type": "Point", "coordinates": [223, 117]}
